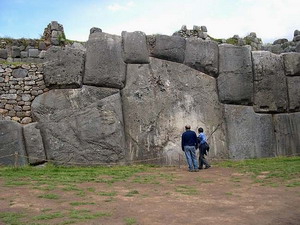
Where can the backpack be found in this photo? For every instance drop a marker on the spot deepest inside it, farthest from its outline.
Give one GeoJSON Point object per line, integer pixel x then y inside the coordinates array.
{"type": "Point", "coordinates": [206, 148]}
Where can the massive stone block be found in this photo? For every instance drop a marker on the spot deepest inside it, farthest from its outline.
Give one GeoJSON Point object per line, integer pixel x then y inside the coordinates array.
{"type": "Point", "coordinates": [202, 55]}
{"type": "Point", "coordinates": [291, 63]}
{"type": "Point", "coordinates": [11, 142]}
{"type": "Point", "coordinates": [287, 131]}
{"type": "Point", "coordinates": [249, 135]}
{"type": "Point", "coordinates": [170, 48]}
{"type": "Point", "coordinates": [270, 88]}
{"type": "Point", "coordinates": [104, 62]}
{"type": "Point", "coordinates": [34, 143]}
{"type": "Point", "coordinates": [159, 99]}
{"type": "Point", "coordinates": [235, 80]}
{"type": "Point", "coordinates": [81, 126]}
{"type": "Point", "coordinates": [63, 67]}
{"type": "Point", "coordinates": [135, 47]}
{"type": "Point", "coordinates": [293, 84]}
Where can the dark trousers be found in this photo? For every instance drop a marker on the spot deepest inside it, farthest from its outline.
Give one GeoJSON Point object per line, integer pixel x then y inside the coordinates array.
{"type": "Point", "coordinates": [202, 160]}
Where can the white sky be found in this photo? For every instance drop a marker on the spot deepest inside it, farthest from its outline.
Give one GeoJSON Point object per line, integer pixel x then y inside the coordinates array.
{"type": "Point", "coordinates": [270, 19]}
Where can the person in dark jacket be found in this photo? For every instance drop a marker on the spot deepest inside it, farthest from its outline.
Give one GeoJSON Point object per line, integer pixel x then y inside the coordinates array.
{"type": "Point", "coordinates": [189, 146]}
{"type": "Point", "coordinates": [203, 148]}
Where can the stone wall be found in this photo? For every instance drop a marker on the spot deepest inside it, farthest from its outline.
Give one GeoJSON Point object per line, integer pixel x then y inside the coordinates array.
{"type": "Point", "coordinates": [127, 99]}
{"type": "Point", "coordinates": [19, 86]}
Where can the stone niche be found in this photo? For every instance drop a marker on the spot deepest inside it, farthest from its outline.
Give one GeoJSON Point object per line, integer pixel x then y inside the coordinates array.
{"type": "Point", "coordinates": [159, 99]}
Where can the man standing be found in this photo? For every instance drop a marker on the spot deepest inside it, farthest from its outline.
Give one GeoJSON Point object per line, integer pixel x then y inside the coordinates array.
{"type": "Point", "coordinates": [189, 146]}
{"type": "Point", "coordinates": [203, 148]}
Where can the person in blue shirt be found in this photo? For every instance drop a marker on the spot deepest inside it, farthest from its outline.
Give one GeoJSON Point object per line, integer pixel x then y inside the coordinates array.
{"type": "Point", "coordinates": [203, 148]}
{"type": "Point", "coordinates": [189, 144]}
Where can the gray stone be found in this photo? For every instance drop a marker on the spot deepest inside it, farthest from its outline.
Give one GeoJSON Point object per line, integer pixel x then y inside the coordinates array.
{"type": "Point", "coordinates": [42, 54]}
{"type": "Point", "coordinates": [8, 96]}
{"type": "Point", "coordinates": [79, 46]}
{"type": "Point", "coordinates": [33, 53]}
{"type": "Point", "coordinates": [54, 25]}
{"type": "Point", "coordinates": [249, 135]}
{"type": "Point", "coordinates": [293, 84]}
{"type": "Point", "coordinates": [42, 45]}
{"type": "Point", "coordinates": [63, 67]}
{"type": "Point", "coordinates": [95, 30]}
{"type": "Point", "coordinates": [276, 49]}
{"type": "Point", "coordinates": [287, 131]}
{"type": "Point", "coordinates": [159, 99]}
{"type": "Point", "coordinates": [34, 143]}
{"type": "Point", "coordinates": [135, 47]}
{"type": "Point", "coordinates": [15, 52]}
{"type": "Point", "coordinates": [235, 80]}
{"type": "Point", "coordinates": [280, 41]}
{"type": "Point", "coordinates": [55, 41]}
{"type": "Point", "coordinates": [202, 55]}
{"type": "Point", "coordinates": [296, 38]}
{"type": "Point", "coordinates": [19, 73]}
{"type": "Point", "coordinates": [170, 48]}
{"type": "Point", "coordinates": [270, 86]}
{"type": "Point", "coordinates": [296, 33]}
{"type": "Point", "coordinates": [203, 28]}
{"type": "Point", "coordinates": [24, 54]}
{"type": "Point", "coordinates": [89, 129]}
{"type": "Point", "coordinates": [291, 63]}
{"type": "Point", "coordinates": [297, 48]}
{"type": "Point", "coordinates": [3, 54]}
{"type": "Point", "coordinates": [104, 62]}
{"type": "Point", "coordinates": [11, 139]}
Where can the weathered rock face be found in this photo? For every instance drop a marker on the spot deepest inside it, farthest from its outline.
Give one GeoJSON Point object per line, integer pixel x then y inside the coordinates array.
{"type": "Point", "coordinates": [104, 62]}
{"type": "Point", "coordinates": [63, 67]}
{"type": "Point", "coordinates": [270, 89]}
{"type": "Point", "coordinates": [159, 99]}
{"type": "Point", "coordinates": [292, 63]}
{"type": "Point", "coordinates": [11, 139]}
{"type": "Point", "coordinates": [235, 80]}
{"type": "Point", "coordinates": [135, 47]}
{"type": "Point", "coordinates": [89, 129]}
{"type": "Point", "coordinates": [287, 131]}
{"type": "Point", "coordinates": [293, 84]}
{"type": "Point", "coordinates": [202, 55]}
{"type": "Point", "coordinates": [249, 135]}
{"type": "Point", "coordinates": [169, 48]}
{"type": "Point", "coordinates": [34, 144]}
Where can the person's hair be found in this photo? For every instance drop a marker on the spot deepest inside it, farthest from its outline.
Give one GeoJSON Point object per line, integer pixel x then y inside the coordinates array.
{"type": "Point", "coordinates": [187, 127]}
{"type": "Point", "coordinates": [200, 130]}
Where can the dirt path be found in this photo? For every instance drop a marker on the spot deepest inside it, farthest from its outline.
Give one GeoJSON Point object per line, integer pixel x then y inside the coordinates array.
{"type": "Point", "coordinates": [163, 196]}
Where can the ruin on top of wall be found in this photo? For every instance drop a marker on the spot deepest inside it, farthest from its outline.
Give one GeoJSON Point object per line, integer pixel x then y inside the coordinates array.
{"type": "Point", "coordinates": [141, 90]}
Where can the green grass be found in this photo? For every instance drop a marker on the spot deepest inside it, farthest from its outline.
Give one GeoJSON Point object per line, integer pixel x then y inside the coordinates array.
{"type": "Point", "coordinates": [110, 193]}
{"type": "Point", "coordinates": [81, 203]}
{"type": "Point", "coordinates": [49, 196]}
{"type": "Point", "coordinates": [132, 193]}
{"type": "Point", "coordinates": [279, 170]}
{"type": "Point", "coordinates": [87, 214]}
{"type": "Point", "coordinates": [130, 221]}
{"type": "Point", "coordinates": [12, 218]}
{"type": "Point", "coordinates": [49, 216]}
{"type": "Point", "coordinates": [186, 190]}
{"type": "Point", "coordinates": [69, 176]}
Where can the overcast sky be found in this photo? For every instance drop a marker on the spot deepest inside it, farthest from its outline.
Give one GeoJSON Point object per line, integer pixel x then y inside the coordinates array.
{"type": "Point", "coordinates": [270, 19]}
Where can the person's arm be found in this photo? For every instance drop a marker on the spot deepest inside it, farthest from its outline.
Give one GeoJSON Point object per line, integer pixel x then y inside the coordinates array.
{"type": "Point", "coordinates": [182, 143]}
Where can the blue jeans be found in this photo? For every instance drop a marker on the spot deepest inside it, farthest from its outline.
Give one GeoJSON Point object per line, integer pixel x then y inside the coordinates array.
{"type": "Point", "coordinates": [190, 154]}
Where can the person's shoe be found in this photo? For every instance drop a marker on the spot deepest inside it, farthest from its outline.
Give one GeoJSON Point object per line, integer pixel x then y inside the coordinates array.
{"type": "Point", "coordinates": [191, 170]}
{"type": "Point", "coordinates": [196, 170]}
{"type": "Point", "coordinates": [207, 167]}
{"type": "Point", "coordinates": [200, 168]}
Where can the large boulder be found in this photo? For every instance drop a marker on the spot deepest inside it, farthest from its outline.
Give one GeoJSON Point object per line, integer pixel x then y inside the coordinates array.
{"type": "Point", "coordinates": [291, 63]}
{"type": "Point", "coordinates": [12, 142]}
{"type": "Point", "coordinates": [249, 135]}
{"type": "Point", "coordinates": [135, 47]}
{"type": "Point", "coordinates": [170, 48]}
{"type": "Point", "coordinates": [159, 99]}
{"type": "Point", "coordinates": [293, 84]}
{"type": "Point", "coordinates": [104, 62]}
{"type": "Point", "coordinates": [235, 80]}
{"type": "Point", "coordinates": [34, 143]}
{"type": "Point", "coordinates": [81, 126]}
{"type": "Point", "coordinates": [202, 55]}
{"type": "Point", "coordinates": [63, 67]}
{"type": "Point", "coordinates": [270, 88]}
{"type": "Point", "coordinates": [287, 131]}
